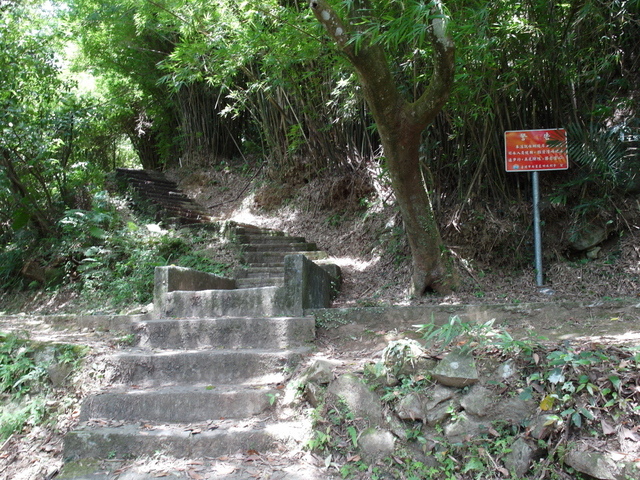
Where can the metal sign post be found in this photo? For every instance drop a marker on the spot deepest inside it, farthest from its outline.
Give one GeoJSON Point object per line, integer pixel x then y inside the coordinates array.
{"type": "Point", "coordinates": [534, 151]}
{"type": "Point", "coordinates": [537, 235]}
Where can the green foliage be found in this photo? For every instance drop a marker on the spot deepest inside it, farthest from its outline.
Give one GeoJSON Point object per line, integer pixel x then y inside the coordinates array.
{"type": "Point", "coordinates": [585, 387]}
{"type": "Point", "coordinates": [119, 264]}
{"type": "Point", "coordinates": [18, 369]}
{"type": "Point", "coordinates": [108, 256]}
{"type": "Point", "coordinates": [472, 336]}
{"type": "Point", "coordinates": [607, 168]}
{"type": "Point", "coordinates": [24, 381]}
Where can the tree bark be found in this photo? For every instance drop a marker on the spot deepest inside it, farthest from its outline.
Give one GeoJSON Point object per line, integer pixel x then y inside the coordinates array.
{"type": "Point", "coordinates": [400, 124]}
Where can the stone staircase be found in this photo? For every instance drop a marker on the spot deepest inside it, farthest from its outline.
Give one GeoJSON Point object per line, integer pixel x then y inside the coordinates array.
{"type": "Point", "coordinates": [194, 388]}
{"type": "Point", "coordinates": [155, 188]}
{"type": "Point", "coordinates": [211, 362]}
{"type": "Point", "coordinates": [263, 255]}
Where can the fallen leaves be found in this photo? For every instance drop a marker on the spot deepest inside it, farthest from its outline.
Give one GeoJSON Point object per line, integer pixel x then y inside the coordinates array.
{"type": "Point", "coordinates": [193, 473]}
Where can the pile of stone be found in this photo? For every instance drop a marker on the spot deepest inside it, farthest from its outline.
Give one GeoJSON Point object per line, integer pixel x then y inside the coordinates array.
{"type": "Point", "coordinates": [462, 402]}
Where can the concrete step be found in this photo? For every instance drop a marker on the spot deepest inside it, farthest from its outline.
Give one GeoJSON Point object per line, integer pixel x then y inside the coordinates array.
{"type": "Point", "coordinates": [182, 441]}
{"type": "Point", "coordinates": [261, 258]}
{"type": "Point", "coordinates": [179, 404]}
{"type": "Point", "coordinates": [259, 282]}
{"type": "Point", "coordinates": [145, 176]}
{"type": "Point", "coordinates": [165, 194]}
{"type": "Point", "coordinates": [279, 247]}
{"type": "Point", "coordinates": [226, 332]}
{"type": "Point", "coordinates": [267, 264]}
{"type": "Point", "coordinates": [249, 302]}
{"type": "Point", "coordinates": [256, 239]}
{"type": "Point", "coordinates": [261, 272]}
{"type": "Point", "coordinates": [244, 229]}
{"type": "Point", "coordinates": [184, 367]}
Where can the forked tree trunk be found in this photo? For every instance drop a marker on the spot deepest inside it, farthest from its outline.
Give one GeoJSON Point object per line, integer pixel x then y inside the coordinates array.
{"type": "Point", "coordinates": [400, 124]}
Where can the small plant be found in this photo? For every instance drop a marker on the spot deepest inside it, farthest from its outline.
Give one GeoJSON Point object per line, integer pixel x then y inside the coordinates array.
{"type": "Point", "coordinates": [321, 440]}
{"type": "Point", "coordinates": [470, 336]}
{"type": "Point", "coordinates": [466, 335]}
{"type": "Point", "coordinates": [329, 319]}
{"type": "Point", "coordinates": [19, 372]}
{"type": "Point", "coordinates": [400, 353]}
{"type": "Point", "coordinates": [24, 381]}
{"type": "Point", "coordinates": [126, 340]}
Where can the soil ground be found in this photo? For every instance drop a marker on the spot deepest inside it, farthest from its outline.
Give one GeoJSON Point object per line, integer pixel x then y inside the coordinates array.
{"type": "Point", "coordinates": [583, 300]}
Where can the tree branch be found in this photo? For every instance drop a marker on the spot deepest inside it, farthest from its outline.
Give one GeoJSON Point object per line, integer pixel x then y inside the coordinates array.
{"type": "Point", "coordinates": [379, 88]}
{"type": "Point", "coordinates": [437, 93]}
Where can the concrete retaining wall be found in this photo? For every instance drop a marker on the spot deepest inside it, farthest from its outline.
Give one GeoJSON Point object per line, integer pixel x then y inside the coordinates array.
{"type": "Point", "coordinates": [183, 292]}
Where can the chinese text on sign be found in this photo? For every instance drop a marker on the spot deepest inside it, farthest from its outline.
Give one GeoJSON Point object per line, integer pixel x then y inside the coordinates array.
{"type": "Point", "coordinates": [536, 150]}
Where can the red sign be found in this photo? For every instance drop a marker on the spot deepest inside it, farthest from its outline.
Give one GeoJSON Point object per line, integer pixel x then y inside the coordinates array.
{"type": "Point", "coordinates": [536, 150]}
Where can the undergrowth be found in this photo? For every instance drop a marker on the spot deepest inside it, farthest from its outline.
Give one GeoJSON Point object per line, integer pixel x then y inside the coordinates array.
{"type": "Point", "coordinates": [582, 391]}
{"type": "Point", "coordinates": [106, 257]}
{"type": "Point", "coordinates": [25, 383]}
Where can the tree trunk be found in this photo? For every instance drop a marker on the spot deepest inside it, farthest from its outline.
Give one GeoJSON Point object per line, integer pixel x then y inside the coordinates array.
{"type": "Point", "coordinates": [431, 267]}
{"type": "Point", "coordinates": [400, 124]}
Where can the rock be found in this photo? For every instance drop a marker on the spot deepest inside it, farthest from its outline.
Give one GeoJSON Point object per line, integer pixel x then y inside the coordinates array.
{"type": "Point", "coordinates": [411, 407]}
{"type": "Point", "coordinates": [361, 401]}
{"type": "Point", "coordinates": [542, 426]}
{"type": "Point", "coordinates": [514, 410]}
{"type": "Point", "coordinates": [506, 370]}
{"type": "Point", "coordinates": [457, 369]}
{"type": "Point", "coordinates": [376, 444]}
{"type": "Point", "coordinates": [519, 459]}
{"type": "Point", "coordinates": [319, 372]}
{"type": "Point", "coordinates": [464, 428]}
{"type": "Point", "coordinates": [439, 414]}
{"type": "Point", "coordinates": [314, 394]}
{"type": "Point", "coordinates": [401, 357]}
{"type": "Point", "coordinates": [596, 465]}
{"type": "Point", "coordinates": [593, 253]}
{"type": "Point", "coordinates": [588, 236]}
{"type": "Point", "coordinates": [438, 395]}
{"type": "Point", "coordinates": [478, 401]}
{"type": "Point", "coordinates": [58, 373]}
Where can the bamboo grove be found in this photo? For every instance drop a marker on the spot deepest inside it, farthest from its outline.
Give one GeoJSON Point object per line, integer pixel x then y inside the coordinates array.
{"type": "Point", "coordinates": [191, 83]}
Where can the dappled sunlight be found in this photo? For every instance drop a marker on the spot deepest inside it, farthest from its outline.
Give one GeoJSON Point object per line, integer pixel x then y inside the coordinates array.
{"type": "Point", "coordinates": [628, 338]}
{"type": "Point", "coordinates": [355, 264]}
{"type": "Point", "coordinates": [244, 213]}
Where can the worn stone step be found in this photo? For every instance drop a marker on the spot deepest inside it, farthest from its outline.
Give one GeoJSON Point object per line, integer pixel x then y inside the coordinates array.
{"type": "Point", "coordinates": [182, 441]}
{"type": "Point", "coordinates": [255, 239]}
{"type": "Point", "coordinates": [260, 282]}
{"type": "Point", "coordinates": [188, 214]}
{"type": "Point", "coordinates": [269, 263]}
{"type": "Point", "coordinates": [156, 188]}
{"type": "Point", "coordinates": [145, 177]}
{"type": "Point", "coordinates": [263, 272]}
{"type": "Point", "coordinates": [279, 247]}
{"type": "Point", "coordinates": [179, 404]}
{"type": "Point", "coordinates": [249, 302]}
{"type": "Point", "coordinates": [176, 201]}
{"type": "Point", "coordinates": [255, 272]}
{"type": "Point", "coordinates": [226, 332]}
{"type": "Point", "coordinates": [253, 230]}
{"type": "Point", "coordinates": [276, 257]}
{"type": "Point", "coordinates": [183, 367]}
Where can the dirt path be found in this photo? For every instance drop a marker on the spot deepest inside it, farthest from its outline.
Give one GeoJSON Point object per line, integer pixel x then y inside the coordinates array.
{"type": "Point", "coordinates": [37, 453]}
